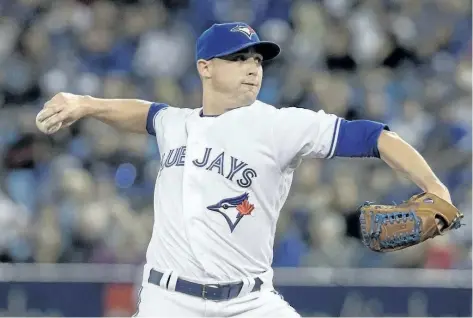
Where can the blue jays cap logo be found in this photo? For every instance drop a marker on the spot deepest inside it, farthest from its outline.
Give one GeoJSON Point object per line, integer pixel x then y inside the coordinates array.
{"type": "Point", "coordinates": [233, 209]}
{"type": "Point", "coordinates": [245, 29]}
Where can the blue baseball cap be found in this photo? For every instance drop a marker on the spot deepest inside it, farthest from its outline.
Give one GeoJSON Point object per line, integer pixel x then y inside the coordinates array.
{"type": "Point", "coordinates": [228, 38]}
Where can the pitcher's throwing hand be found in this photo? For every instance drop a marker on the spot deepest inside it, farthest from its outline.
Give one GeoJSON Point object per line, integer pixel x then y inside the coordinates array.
{"type": "Point", "coordinates": [61, 111]}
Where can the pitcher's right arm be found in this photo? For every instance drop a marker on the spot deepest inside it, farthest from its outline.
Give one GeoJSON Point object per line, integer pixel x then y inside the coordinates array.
{"type": "Point", "coordinates": [131, 115]}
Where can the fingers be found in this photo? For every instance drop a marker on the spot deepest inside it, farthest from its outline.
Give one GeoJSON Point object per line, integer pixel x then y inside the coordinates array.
{"type": "Point", "coordinates": [441, 225]}
{"type": "Point", "coordinates": [52, 107]}
{"type": "Point", "coordinates": [47, 126]}
{"type": "Point", "coordinates": [57, 112]}
{"type": "Point", "coordinates": [47, 112]}
{"type": "Point", "coordinates": [56, 119]}
{"type": "Point", "coordinates": [50, 118]}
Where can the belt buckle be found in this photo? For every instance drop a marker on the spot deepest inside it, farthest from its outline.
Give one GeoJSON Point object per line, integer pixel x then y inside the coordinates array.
{"type": "Point", "coordinates": [205, 287]}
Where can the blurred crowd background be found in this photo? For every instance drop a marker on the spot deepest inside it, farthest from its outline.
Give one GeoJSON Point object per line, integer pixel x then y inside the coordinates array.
{"type": "Point", "coordinates": [85, 194]}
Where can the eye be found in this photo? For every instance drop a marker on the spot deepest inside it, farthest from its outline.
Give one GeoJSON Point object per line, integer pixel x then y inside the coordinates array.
{"type": "Point", "coordinates": [258, 59]}
{"type": "Point", "coordinates": [240, 58]}
{"type": "Point", "coordinates": [225, 206]}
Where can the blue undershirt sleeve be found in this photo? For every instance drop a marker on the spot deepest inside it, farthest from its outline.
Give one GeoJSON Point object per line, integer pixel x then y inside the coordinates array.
{"type": "Point", "coordinates": [358, 138]}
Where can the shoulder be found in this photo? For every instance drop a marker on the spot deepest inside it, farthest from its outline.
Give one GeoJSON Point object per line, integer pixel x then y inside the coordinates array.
{"type": "Point", "coordinates": [163, 115]}
{"type": "Point", "coordinates": [164, 118]}
{"type": "Point", "coordinates": [284, 113]}
{"type": "Point", "coordinates": [173, 111]}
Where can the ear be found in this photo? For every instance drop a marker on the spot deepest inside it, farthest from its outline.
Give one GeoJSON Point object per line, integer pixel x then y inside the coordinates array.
{"type": "Point", "coordinates": [204, 68]}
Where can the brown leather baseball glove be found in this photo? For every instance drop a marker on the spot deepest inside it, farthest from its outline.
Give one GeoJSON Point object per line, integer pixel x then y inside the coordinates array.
{"type": "Point", "coordinates": [386, 228]}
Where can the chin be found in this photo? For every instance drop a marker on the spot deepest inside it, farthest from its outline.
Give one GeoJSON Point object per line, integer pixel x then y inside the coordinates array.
{"type": "Point", "coordinates": [248, 101]}
{"type": "Point", "coordinates": [248, 98]}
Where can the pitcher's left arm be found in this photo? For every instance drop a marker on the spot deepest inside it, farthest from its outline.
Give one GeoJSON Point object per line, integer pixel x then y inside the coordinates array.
{"type": "Point", "coordinates": [366, 138]}
{"type": "Point", "coordinates": [403, 158]}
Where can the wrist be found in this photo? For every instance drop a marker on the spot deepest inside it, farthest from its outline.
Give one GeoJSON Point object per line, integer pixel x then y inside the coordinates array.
{"type": "Point", "coordinates": [440, 190]}
{"type": "Point", "coordinates": [87, 105]}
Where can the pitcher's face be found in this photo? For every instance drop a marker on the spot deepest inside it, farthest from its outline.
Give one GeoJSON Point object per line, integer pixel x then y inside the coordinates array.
{"type": "Point", "coordinates": [239, 75]}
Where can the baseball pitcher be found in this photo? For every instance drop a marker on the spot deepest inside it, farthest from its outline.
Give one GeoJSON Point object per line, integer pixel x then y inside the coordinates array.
{"type": "Point", "coordinates": [226, 170]}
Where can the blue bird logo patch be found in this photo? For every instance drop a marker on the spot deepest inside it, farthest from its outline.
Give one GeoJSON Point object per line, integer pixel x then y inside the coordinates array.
{"type": "Point", "coordinates": [233, 209]}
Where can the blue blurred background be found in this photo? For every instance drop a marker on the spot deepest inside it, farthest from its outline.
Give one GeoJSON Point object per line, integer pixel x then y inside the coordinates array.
{"type": "Point", "coordinates": [84, 195]}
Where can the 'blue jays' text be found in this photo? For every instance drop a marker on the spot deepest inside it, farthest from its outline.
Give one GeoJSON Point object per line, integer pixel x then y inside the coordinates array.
{"type": "Point", "coordinates": [228, 166]}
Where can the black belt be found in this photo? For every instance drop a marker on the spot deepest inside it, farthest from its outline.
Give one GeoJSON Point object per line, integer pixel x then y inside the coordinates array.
{"type": "Point", "coordinates": [209, 291]}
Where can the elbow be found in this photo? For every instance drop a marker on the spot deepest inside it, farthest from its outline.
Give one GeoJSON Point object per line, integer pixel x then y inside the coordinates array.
{"type": "Point", "coordinates": [387, 141]}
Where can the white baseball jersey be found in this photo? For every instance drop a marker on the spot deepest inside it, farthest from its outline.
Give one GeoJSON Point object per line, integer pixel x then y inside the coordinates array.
{"type": "Point", "coordinates": [222, 183]}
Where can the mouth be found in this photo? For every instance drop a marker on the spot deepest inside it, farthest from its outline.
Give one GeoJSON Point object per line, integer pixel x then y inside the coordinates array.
{"type": "Point", "coordinates": [251, 84]}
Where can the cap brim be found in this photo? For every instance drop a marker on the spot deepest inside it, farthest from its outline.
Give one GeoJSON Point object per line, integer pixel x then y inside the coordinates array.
{"type": "Point", "coordinates": [268, 50]}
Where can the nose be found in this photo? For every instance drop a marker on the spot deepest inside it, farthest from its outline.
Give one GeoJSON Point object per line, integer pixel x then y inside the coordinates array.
{"type": "Point", "coordinates": [252, 66]}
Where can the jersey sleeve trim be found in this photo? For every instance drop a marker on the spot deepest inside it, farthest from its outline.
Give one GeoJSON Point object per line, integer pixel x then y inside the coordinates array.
{"type": "Point", "coordinates": [336, 130]}
{"type": "Point", "coordinates": [154, 110]}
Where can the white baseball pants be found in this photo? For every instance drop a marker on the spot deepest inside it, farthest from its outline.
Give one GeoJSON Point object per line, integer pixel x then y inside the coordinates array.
{"type": "Point", "coordinates": [156, 301]}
